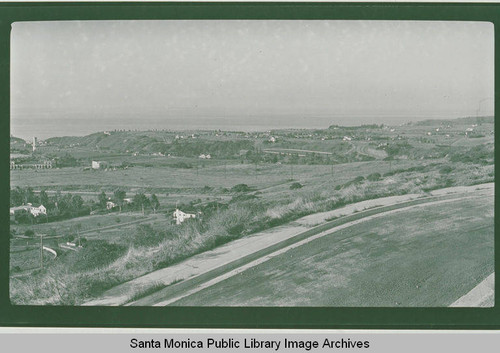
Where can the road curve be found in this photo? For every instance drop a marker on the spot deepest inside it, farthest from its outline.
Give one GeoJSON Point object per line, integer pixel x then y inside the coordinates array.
{"type": "Point", "coordinates": [151, 300]}
{"type": "Point", "coordinates": [198, 270]}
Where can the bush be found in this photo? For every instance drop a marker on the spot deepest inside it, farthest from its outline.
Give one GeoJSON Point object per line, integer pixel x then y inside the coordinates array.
{"type": "Point", "coordinates": [358, 179]}
{"type": "Point", "coordinates": [97, 253]}
{"type": "Point", "coordinates": [446, 169]}
{"type": "Point", "coordinates": [374, 177]}
{"type": "Point", "coordinates": [29, 233]}
{"type": "Point", "coordinates": [147, 236]}
{"type": "Point", "coordinates": [240, 188]}
{"type": "Point", "coordinates": [236, 230]}
{"type": "Point", "coordinates": [296, 185]}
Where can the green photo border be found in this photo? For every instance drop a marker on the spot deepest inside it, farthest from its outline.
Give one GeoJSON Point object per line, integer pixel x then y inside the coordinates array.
{"type": "Point", "coordinates": [225, 317]}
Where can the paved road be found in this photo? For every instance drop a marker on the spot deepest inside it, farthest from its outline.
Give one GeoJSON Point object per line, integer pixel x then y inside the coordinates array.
{"type": "Point", "coordinates": [198, 270]}
{"type": "Point", "coordinates": [170, 296]}
{"type": "Point", "coordinates": [482, 295]}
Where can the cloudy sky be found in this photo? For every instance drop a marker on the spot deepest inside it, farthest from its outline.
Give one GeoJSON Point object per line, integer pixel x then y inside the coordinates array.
{"type": "Point", "coordinates": [303, 70]}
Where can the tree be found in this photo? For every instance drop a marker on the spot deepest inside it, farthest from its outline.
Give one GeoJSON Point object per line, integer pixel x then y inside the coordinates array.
{"type": "Point", "coordinates": [76, 203]}
{"type": "Point", "coordinates": [44, 198]}
{"type": "Point", "coordinates": [141, 200]}
{"type": "Point", "coordinates": [102, 199]}
{"type": "Point", "coordinates": [16, 196]}
{"type": "Point", "coordinates": [65, 204]}
{"type": "Point", "coordinates": [155, 203]}
{"type": "Point", "coordinates": [29, 196]}
{"type": "Point", "coordinates": [76, 228]}
{"type": "Point", "coordinates": [118, 197]}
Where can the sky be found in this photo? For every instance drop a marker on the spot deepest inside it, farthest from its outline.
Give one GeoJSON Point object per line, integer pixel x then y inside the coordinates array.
{"type": "Point", "coordinates": [309, 73]}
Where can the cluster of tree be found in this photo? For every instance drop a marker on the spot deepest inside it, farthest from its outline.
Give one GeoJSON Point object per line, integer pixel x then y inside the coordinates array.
{"type": "Point", "coordinates": [218, 149]}
{"type": "Point", "coordinates": [66, 160]}
{"type": "Point", "coordinates": [398, 148]}
{"type": "Point", "coordinates": [309, 158]}
{"type": "Point", "coordinates": [139, 202]}
{"type": "Point", "coordinates": [60, 206]}
{"type": "Point", "coordinates": [22, 196]}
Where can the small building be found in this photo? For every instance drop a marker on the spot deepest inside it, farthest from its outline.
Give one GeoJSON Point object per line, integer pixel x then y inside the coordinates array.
{"type": "Point", "coordinates": [99, 165]}
{"type": "Point", "coordinates": [205, 156]}
{"type": "Point", "coordinates": [180, 216]}
{"type": "Point", "coordinates": [36, 211]}
{"type": "Point", "coordinates": [110, 205]}
{"type": "Point", "coordinates": [272, 139]}
{"type": "Point", "coordinates": [346, 138]}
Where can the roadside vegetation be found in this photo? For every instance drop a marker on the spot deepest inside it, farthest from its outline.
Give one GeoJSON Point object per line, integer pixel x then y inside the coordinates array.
{"type": "Point", "coordinates": [241, 190]}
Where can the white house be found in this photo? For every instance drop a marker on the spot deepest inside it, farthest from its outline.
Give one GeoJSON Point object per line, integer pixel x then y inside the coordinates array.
{"type": "Point", "coordinates": [99, 164]}
{"type": "Point", "coordinates": [180, 216]}
{"type": "Point", "coordinates": [35, 211]}
{"type": "Point", "coordinates": [110, 205]}
{"type": "Point", "coordinates": [347, 138]}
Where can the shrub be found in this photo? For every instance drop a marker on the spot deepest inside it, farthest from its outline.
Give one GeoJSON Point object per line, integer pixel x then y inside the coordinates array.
{"type": "Point", "coordinates": [358, 179]}
{"type": "Point", "coordinates": [97, 253]}
{"type": "Point", "coordinates": [296, 185]}
{"type": "Point", "coordinates": [29, 233]}
{"type": "Point", "coordinates": [240, 188]}
{"type": "Point", "coordinates": [374, 177]}
{"type": "Point", "coordinates": [446, 169]}
{"type": "Point", "coordinates": [147, 236]}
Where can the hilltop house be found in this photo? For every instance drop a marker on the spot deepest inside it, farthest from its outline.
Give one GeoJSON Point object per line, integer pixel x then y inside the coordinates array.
{"type": "Point", "coordinates": [180, 216]}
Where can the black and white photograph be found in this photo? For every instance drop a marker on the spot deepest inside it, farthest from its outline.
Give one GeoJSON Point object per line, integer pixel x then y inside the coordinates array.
{"type": "Point", "coordinates": [252, 163]}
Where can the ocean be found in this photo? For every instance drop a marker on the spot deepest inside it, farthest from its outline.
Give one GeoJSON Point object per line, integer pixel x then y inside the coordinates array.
{"type": "Point", "coordinates": [44, 127]}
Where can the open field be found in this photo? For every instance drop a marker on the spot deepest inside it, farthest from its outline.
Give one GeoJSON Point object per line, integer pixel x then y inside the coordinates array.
{"type": "Point", "coordinates": [88, 223]}
{"type": "Point", "coordinates": [239, 192]}
{"type": "Point", "coordinates": [428, 256]}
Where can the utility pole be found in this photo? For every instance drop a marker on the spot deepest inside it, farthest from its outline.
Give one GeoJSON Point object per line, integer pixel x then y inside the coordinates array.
{"type": "Point", "coordinates": [41, 251]}
{"type": "Point", "coordinates": [332, 169]}
{"type": "Point", "coordinates": [291, 171]}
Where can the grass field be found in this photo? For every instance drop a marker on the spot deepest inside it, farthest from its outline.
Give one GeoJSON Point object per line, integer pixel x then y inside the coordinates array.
{"type": "Point", "coordinates": [87, 223]}
{"type": "Point", "coordinates": [428, 256]}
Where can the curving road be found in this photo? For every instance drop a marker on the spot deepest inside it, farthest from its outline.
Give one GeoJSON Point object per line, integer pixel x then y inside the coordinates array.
{"type": "Point", "coordinates": [206, 269]}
